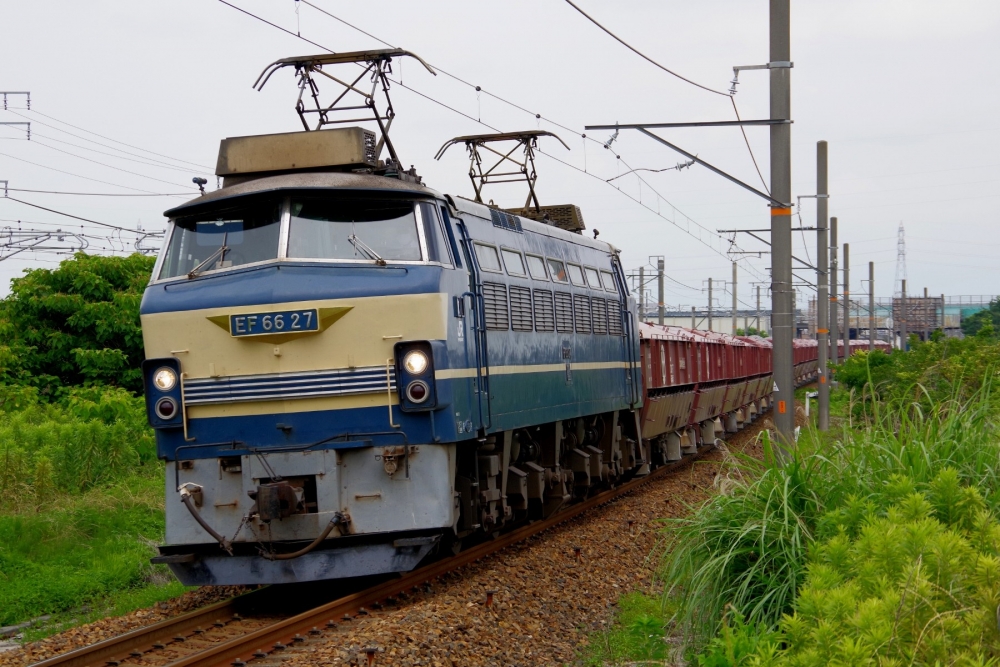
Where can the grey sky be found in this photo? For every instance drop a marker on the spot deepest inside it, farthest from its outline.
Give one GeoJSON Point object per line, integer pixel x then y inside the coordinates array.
{"type": "Point", "coordinates": [903, 90]}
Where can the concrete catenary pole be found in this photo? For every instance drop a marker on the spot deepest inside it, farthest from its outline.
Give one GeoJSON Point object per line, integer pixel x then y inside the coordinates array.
{"type": "Point", "coordinates": [659, 286]}
{"type": "Point", "coordinates": [846, 334]}
{"type": "Point", "coordinates": [709, 304]}
{"type": "Point", "coordinates": [822, 285]}
{"type": "Point", "coordinates": [757, 318]}
{"type": "Point", "coordinates": [834, 310]}
{"type": "Point", "coordinates": [642, 293]}
{"type": "Point", "coordinates": [927, 319]}
{"type": "Point", "coordinates": [735, 327]}
{"type": "Point", "coordinates": [694, 321]}
{"type": "Point", "coordinates": [781, 218]}
{"type": "Point", "coordinates": [902, 320]}
{"type": "Point", "coordinates": [942, 313]}
{"type": "Point", "coordinates": [871, 306]}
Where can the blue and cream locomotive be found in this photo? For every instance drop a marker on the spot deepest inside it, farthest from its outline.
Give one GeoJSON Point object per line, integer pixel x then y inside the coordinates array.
{"type": "Point", "coordinates": [347, 370]}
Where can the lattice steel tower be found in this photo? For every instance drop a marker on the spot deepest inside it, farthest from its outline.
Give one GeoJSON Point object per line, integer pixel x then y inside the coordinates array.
{"type": "Point", "coordinates": [900, 261]}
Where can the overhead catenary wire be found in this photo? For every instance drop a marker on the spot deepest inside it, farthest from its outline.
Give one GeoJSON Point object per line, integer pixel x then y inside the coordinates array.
{"type": "Point", "coordinates": [106, 138]}
{"type": "Point", "coordinates": [643, 55]}
{"type": "Point", "coordinates": [484, 124]}
{"type": "Point", "coordinates": [69, 173]}
{"type": "Point", "coordinates": [70, 215]}
{"type": "Point", "coordinates": [127, 171]}
{"type": "Point", "coordinates": [102, 194]}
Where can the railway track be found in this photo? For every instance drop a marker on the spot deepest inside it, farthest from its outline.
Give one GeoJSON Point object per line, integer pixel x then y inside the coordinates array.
{"type": "Point", "coordinates": [222, 634]}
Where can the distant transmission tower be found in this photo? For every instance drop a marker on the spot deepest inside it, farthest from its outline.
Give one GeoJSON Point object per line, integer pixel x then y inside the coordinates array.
{"type": "Point", "coordinates": [900, 261]}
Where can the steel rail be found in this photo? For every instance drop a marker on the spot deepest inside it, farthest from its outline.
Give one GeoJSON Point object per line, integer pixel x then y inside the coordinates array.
{"type": "Point", "coordinates": [143, 638]}
{"type": "Point", "coordinates": [241, 650]}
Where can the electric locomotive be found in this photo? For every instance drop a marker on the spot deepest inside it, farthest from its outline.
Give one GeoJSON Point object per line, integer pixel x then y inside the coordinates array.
{"type": "Point", "coordinates": [347, 370]}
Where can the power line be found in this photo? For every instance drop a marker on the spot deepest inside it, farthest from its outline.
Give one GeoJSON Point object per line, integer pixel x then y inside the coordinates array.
{"type": "Point", "coordinates": [479, 121]}
{"type": "Point", "coordinates": [138, 148]}
{"type": "Point", "coordinates": [69, 173]}
{"type": "Point", "coordinates": [643, 55]}
{"type": "Point", "coordinates": [134, 173]}
{"type": "Point", "coordinates": [69, 215]}
{"type": "Point", "coordinates": [102, 194]}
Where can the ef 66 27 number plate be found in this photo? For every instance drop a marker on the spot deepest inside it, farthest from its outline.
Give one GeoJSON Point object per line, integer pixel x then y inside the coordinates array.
{"type": "Point", "coordinates": [257, 324]}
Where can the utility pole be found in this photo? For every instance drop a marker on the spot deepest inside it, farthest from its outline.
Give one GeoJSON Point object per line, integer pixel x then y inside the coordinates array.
{"type": "Point", "coordinates": [822, 287]}
{"type": "Point", "coordinates": [659, 278]}
{"type": "Point", "coordinates": [834, 310]}
{"type": "Point", "coordinates": [871, 306]}
{"type": "Point", "coordinates": [902, 318]}
{"type": "Point", "coordinates": [781, 218]}
{"type": "Point", "coordinates": [942, 314]}
{"type": "Point", "coordinates": [927, 319]}
{"type": "Point", "coordinates": [642, 293]}
{"type": "Point", "coordinates": [735, 327]}
{"type": "Point", "coordinates": [847, 301]}
{"type": "Point", "coordinates": [758, 310]}
{"type": "Point", "coordinates": [709, 304]}
{"type": "Point", "coordinates": [694, 321]}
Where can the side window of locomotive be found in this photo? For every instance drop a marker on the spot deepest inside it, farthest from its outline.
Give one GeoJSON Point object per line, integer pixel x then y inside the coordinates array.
{"type": "Point", "coordinates": [536, 267]}
{"type": "Point", "coordinates": [609, 281]}
{"type": "Point", "coordinates": [225, 238]}
{"type": "Point", "coordinates": [450, 235]}
{"type": "Point", "coordinates": [488, 258]}
{"type": "Point", "coordinates": [593, 278]}
{"type": "Point", "coordinates": [434, 236]}
{"type": "Point", "coordinates": [576, 275]}
{"type": "Point", "coordinates": [353, 230]}
{"type": "Point", "coordinates": [558, 271]}
{"type": "Point", "coordinates": [513, 261]}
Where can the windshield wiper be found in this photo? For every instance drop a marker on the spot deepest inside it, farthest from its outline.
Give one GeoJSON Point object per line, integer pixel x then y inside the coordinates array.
{"type": "Point", "coordinates": [363, 247]}
{"type": "Point", "coordinates": [220, 254]}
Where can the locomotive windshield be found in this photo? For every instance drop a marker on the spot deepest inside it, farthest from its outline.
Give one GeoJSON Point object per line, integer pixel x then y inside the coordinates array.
{"type": "Point", "coordinates": [223, 238]}
{"type": "Point", "coordinates": [353, 229]}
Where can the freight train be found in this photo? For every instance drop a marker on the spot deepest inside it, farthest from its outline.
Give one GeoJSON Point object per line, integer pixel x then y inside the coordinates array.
{"type": "Point", "coordinates": [348, 371]}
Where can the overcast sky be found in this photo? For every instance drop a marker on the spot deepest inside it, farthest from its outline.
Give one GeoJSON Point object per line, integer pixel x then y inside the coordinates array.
{"type": "Point", "coordinates": [904, 90]}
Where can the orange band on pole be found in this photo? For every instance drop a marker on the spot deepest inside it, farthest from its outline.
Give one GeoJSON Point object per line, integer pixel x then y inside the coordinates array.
{"type": "Point", "coordinates": [781, 211]}
{"type": "Point", "coordinates": [822, 331]}
{"type": "Point", "coordinates": [781, 407]}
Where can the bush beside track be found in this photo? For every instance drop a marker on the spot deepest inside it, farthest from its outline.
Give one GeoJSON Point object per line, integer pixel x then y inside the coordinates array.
{"type": "Point", "coordinates": [81, 497]}
{"type": "Point", "coordinates": [876, 543]}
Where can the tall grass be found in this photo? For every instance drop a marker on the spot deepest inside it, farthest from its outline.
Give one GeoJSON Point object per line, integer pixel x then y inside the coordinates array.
{"type": "Point", "coordinates": [746, 550]}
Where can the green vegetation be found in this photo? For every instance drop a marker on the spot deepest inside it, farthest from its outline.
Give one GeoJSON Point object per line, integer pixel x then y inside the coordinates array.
{"type": "Point", "coordinates": [636, 635]}
{"type": "Point", "coordinates": [877, 543]}
{"type": "Point", "coordinates": [81, 491]}
{"type": "Point", "coordinates": [751, 331]}
{"type": "Point", "coordinates": [985, 322]}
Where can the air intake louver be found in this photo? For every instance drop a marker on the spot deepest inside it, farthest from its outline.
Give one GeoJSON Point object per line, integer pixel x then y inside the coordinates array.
{"type": "Point", "coordinates": [615, 318]}
{"type": "Point", "coordinates": [600, 315]}
{"type": "Point", "coordinates": [520, 308]}
{"type": "Point", "coordinates": [505, 221]}
{"type": "Point", "coordinates": [495, 306]}
{"type": "Point", "coordinates": [564, 312]}
{"type": "Point", "coordinates": [581, 304]}
{"type": "Point", "coordinates": [545, 316]}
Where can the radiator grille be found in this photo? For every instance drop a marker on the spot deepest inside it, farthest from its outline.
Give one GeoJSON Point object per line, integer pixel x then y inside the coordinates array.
{"type": "Point", "coordinates": [520, 308]}
{"type": "Point", "coordinates": [495, 306]}
{"type": "Point", "coordinates": [581, 306]}
{"type": "Point", "coordinates": [280, 386]}
{"type": "Point", "coordinates": [505, 220]}
{"type": "Point", "coordinates": [545, 316]}
{"type": "Point", "coordinates": [600, 308]}
{"type": "Point", "coordinates": [615, 318]}
{"type": "Point", "coordinates": [564, 312]}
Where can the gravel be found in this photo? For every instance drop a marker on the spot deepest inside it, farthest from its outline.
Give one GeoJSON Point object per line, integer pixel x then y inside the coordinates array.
{"type": "Point", "coordinates": [548, 601]}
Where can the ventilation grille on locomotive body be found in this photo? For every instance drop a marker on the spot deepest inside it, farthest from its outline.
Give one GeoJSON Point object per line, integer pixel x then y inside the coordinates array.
{"type": "Point", "coordinates": [564, 312]}
{"type": "Point", "coordinates": [520, 308]}
{"type": "Point", "coordinates": [581, 306]}
{"type": "Point", "coordinates": [600, 310]}
{"type": "Point", "coordinates": [545, 318]}
{"type": "Point", "coordinates": [495, 306]}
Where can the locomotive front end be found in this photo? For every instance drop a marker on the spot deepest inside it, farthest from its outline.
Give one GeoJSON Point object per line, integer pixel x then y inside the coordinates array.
{"type": "Point", "coordinates": [295, 328]}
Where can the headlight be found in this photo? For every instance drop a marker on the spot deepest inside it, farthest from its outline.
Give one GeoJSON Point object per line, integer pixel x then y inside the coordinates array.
{"type": "Point", "coordinates": [166, 409]}
{"type": "Point", "coordinates": [164, 379]}
{"type": "Point", "coordinates": [415, 362]}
